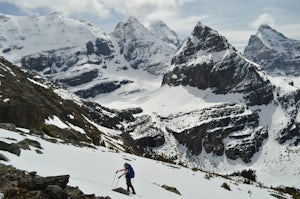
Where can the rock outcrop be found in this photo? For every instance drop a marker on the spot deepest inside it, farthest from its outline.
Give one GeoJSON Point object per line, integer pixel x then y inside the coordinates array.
{"type": "Point", "coordinates": [228, 129]}
{"type": "Point", "coordinates": [16, 183]}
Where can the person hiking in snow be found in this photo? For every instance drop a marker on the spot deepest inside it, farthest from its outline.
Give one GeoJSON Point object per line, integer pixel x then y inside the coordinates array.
{"type": "Point", "coordinates": [129, 173]}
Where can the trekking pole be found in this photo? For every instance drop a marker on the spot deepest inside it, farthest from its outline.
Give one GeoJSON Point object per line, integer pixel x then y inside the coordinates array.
{"type": "Point", "coordinates": [117, 182]}
{"type": "Point", "coordinates": [114, 180]}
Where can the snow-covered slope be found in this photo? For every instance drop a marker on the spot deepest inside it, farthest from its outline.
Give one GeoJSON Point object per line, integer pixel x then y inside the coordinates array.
{"type": "Point", "coordinates": [21, 36]}
{"type": "Point", "coordinates": [93, 171]}
{"type": "Point", "coordinates": [276, 53]}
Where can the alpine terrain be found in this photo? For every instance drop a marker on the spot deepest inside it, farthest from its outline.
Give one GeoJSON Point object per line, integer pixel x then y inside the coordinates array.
{"type": "Point", "coordinates": [77, 103]}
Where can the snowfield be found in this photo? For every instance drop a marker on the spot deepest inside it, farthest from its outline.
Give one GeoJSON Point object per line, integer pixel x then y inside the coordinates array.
{"type": "Point", "coordinates": [93, 171]}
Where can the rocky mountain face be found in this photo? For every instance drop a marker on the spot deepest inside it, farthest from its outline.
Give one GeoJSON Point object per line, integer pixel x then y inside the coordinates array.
{"type": "Point", "coordinates": [225, 129]}
{"type": "Point", "coordinates": [82, 57]}
{"type": "Point", "coordinates": [229, 129]}
{"type": "Point", "coordinates": [276, 53]}
{"type": "Point", "coordinates": [27, 100]}
{"type": "Point", "coordinates": [207, 60]}
{"type": "Point", "coordinates": [290, 102]}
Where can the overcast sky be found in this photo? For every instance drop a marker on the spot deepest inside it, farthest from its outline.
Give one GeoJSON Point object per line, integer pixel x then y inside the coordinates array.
{"type": "Point", "coordinates": [235, 19]}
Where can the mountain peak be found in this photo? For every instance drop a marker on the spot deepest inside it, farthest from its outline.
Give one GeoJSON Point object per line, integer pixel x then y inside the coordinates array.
{"type": "Point", "coordinates": [57, 15]}
{"type": "Point", "coordinates": [207, 39]}
{"type": "Point", "coordinates": [264, 26]}
{"type": "Point", "coordinates": [203, 29]}
{"type": "Point", "coordinates": [145, 49]}
{"type": "Point", "coordinates": [157, 23]}
{"type": "Point", "coordinates": [274, 51]}
{"type": "Point", "coordinates": [268, 31]}
{"type": "Point", "coordinates": [132, 24]}
{"type": "Point", "coordinates": [163, 32]}
{"type": "Point", "coordinates": [132, 19]}
{"type": "Point", "coordinates": [199, 24]}
{"type": "Point", "coordinates": [207, 60]}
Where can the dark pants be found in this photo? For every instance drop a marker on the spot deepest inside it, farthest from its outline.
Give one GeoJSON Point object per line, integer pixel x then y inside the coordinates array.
{"type": "Point", "coordinates": [129, 185]}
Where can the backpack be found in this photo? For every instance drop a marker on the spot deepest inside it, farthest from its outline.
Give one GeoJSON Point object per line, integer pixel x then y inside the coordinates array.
{"type": "Point", "coordinates": [130, 173]}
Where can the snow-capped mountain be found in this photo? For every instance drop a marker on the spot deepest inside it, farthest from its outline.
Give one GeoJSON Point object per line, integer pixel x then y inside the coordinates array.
{"type": "Point", "coordinates": [81, 56]}
{"type": "Point", "coordinates": [276, 53]}
{"type": "Point", "coordinates": [144, 49]}
{"type": "Point", "coordinates": [207, 60]}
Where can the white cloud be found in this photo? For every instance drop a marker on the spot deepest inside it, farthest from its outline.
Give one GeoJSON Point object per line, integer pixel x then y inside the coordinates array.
{"type": "Point", "coordinates": [264, 19]}
{"type": "Point", "coordinates": [94, 7]}
{"type": "Point", "coordinates": [139, 8]}
{"type": "Point", "coordinates": [169, 11]}
{"type": "Point", "coordinates": [174, 20]}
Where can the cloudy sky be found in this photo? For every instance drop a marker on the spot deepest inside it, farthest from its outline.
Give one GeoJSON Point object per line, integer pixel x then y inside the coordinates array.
{"type": "Point", "coordinates": [235, 19]}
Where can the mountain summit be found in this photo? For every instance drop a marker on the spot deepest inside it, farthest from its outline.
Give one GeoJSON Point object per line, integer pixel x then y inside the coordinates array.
{"type": "Point", "coordinates": [163, 32]}
{"type": "Point", "coordinates": [276, 53]}
{"type": "Point", "coordinates": [207, 60]}
{"type": "Point", "coordinates": [145, 49]}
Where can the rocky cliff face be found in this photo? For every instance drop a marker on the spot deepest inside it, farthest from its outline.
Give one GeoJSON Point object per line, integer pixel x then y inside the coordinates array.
{"type": "Point", "coordinates": [276, 53]}
{"type": "Point", "coordinates": [207, 60]}
{"type": "Point", "coordinates": [290, 102]}
{"type": "Point", "coordinates": [227, 129]}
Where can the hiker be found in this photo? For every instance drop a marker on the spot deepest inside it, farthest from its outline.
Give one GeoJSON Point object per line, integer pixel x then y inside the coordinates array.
{"type": "Point", "coordinates": [129, 173]}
